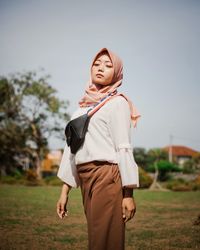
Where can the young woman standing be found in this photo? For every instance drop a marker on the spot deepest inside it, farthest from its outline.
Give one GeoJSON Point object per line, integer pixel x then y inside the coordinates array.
{"type": "Point", "coordinates": [104, 166]}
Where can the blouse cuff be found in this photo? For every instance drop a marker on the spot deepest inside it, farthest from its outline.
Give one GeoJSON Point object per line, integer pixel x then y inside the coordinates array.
{"type": "Point", "coordinates": [67, 170]}
{"type": "Point", "coordinates": [127, 167]}
{"type": "Point", "coordinates": [127, 192]}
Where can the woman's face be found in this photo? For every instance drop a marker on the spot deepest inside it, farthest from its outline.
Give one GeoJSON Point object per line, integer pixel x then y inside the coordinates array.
{"type": "Point", "coordinates": [102, 70]}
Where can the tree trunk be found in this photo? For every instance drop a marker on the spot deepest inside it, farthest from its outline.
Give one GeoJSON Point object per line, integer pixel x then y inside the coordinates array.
{"type": "Point", "coordinates": [155, 185]}
{"type": "Point", "coordinates": [38, 167]}
{"type": "Point", "coordinates": [3, 171]}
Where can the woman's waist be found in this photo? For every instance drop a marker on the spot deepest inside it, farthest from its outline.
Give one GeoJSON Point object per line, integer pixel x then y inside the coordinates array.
{"type": "Point", "coordinates": [95, 170]}
{"type": "Point", "coordinates": [96, 163]}
{"type": "Point", "coordinates": [85, 156]}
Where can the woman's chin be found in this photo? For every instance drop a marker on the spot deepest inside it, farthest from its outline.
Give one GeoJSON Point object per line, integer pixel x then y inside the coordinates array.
{"type": "Point", "coordinates": [101, 83]}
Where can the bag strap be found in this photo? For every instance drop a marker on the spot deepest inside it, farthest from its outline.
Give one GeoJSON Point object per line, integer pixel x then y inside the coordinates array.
{"type": "Point", "coordinates": [101, 103]}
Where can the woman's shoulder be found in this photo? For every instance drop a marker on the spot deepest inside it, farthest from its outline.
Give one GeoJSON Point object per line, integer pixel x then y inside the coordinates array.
{"type": "Point", "coordinates": [118, 100]}
{"type": "Point", "coordinates": [118, 107]}
{"type": "Point", "coordinates": [79, 111]}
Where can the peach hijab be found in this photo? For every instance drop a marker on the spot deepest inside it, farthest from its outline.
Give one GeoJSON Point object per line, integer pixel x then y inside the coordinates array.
{"type": "Point", "coordinates": [93, 95]}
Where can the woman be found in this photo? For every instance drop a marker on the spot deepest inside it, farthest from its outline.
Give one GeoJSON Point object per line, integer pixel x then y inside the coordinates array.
{"type": "Point", "coordinates": [104, 166]}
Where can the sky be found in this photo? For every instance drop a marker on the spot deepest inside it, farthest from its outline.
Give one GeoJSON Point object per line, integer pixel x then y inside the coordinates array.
{"type": "Point", "coordinates": [157, 40]}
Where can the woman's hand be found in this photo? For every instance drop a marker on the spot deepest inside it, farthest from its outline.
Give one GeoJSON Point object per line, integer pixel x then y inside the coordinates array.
{"type": "Point", "coordinates": [128, 208]}
{"type": "Point", "coordinates": [62, 202]}
{"type": "Point", "coordinates": [62, 206]}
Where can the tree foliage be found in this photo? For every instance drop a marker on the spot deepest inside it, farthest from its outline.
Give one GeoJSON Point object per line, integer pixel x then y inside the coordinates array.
{"type": "Point", "coordinates": [30, 113]}
{"type": "Point", "coordinates": [156, 154]}
{"type": "Point", "coordinates": [164, 168]}
{"type": "Point", "coordinates": [192, 164]}
{"type": "Point", "coordinates": [141, 156]}
{"type": "Point", "coordinates": [146, 158]}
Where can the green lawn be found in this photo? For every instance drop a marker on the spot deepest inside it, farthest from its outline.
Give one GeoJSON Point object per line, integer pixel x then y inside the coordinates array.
{"type": "Point", "coordinates": [28, 220]}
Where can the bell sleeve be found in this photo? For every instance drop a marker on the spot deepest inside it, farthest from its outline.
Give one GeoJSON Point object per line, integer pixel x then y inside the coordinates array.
{"type": "Point", "coordinates": [67, 170]}
{"type": "Point", "coordinates": [120, 130]}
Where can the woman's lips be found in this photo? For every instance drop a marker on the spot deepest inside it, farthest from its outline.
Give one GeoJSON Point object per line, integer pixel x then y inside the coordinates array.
{"type": "Point", "coordinates": [99, 75]}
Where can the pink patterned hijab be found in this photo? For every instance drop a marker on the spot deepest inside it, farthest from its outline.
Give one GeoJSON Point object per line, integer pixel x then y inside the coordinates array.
{"type": "Point", "coordinates": [93, 94]}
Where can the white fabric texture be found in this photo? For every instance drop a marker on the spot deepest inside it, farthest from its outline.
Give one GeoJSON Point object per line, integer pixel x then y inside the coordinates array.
{"type": "Point", "coordinates": [108, 139]}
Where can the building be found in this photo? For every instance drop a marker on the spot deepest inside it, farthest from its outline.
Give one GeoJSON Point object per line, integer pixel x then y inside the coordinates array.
{"type": "Point", "coordinates": [180, 154]}
{"type": "Point", "coordinates": [51, 163]}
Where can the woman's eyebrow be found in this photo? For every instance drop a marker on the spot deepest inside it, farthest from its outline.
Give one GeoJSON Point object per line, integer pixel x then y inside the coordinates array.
{"type": "Point", "coordinates": [100, 61]}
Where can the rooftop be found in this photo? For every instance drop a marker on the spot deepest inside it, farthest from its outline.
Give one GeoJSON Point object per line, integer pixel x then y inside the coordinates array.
{"type": "Point", "coordinates": [178, 150]}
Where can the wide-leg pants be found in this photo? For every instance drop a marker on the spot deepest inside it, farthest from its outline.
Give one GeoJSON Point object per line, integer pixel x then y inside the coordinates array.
{"type": "Point", "coordinates": [102, 199]}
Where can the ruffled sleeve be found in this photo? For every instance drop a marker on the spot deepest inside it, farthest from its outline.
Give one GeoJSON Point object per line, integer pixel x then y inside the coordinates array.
{"type": "Point", "coordinates": [120, 130]}
{"type": "Point", "coordinates": [67, 170]}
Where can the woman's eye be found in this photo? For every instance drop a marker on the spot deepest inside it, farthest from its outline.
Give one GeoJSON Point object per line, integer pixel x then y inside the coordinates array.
{"type": "Point", "coordinates": [109, 66]}
{"type": "Point", "coordinates": [96, 64]}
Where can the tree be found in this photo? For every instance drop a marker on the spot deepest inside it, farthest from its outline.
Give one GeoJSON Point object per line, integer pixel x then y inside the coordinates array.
{"type": "Point", "coordinates": [30, 114]}
{"type": "Point", "coordinates": [156, 155]}
{"type": "Point", "coordinates": [140, 156]}
{"type": "Point", "coordinates": [166, 167]}
{"type": "Point", "coordinates": [12, 136]}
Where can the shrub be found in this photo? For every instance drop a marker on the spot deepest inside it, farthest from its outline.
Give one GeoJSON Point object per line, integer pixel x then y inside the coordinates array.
{"type": "Point", "coordinates": [8, 179]}
{"type": "Point", "coordinates": [177, 184]}
{"type": "Point", "coordinates": [31, 175]}
{"type": "Point", "coordinates": [32, 178]}
{"type": "Point", "coordinates": [145, 179]}
{"type": "Point", "coordinates": [151, 169]}
{"type": "Point", "coordinates": [53, 181]}
{"type": "Point", "coordinates": [196, 184]}
{"type": "Point", "coordinates": [17, 174]}
{"type": "Point", "coordinates": [182, 185]}
{"type": "Point", "coordinates": [164, 168]}
{"type": "Point", "coordinates": [187, 169]}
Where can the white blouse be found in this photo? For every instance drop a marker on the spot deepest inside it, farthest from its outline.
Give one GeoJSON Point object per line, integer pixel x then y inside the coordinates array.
{"type": "Point", "coordinates": [108, 139]}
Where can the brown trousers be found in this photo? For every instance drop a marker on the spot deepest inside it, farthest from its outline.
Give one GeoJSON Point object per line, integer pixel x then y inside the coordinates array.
{"type": "Point", "coordinates": [102, 199]}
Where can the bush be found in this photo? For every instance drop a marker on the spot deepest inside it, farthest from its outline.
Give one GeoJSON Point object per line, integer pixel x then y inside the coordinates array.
{"type": "Point", "coordinates": [145, 179]}
{"type": "Point", "coordinates": [187, 169]}
{"type": "Point", "coordinates": [150, 169]}
{"type": "Point", "coordinates": [17, 174]}
{"type": "Point", "coordinates": [31, 175]}
{"type": "Point", "coordinates": [53, 181]}
{"type": "Point", "coordinates": [196, 184]}
{"type": "Point", "coordinates": [28, 179]}
{"type": "Point", "coordinates": [182, 185]}
{"type": "Point", "coordinates": [177, 185]}
{"type": "Point", "coordinates": [8, 179]}
{"type": "Point", "coordinates": [164, 168]}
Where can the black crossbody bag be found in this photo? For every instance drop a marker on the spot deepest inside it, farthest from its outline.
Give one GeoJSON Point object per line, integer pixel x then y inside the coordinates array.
{"type": "Point", "coordinates": [75, 132]}
{"type": "Point", "coordinates": [76, 129]}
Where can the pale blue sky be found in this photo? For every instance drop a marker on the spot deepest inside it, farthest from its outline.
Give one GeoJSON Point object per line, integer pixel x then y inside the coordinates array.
{"type": "Point", "coordinates": [158, 41]}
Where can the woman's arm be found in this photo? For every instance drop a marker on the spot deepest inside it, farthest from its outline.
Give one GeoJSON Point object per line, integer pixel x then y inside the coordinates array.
{"type": "Point", "coordinates": [68, 174]}
{"type": "Point", "coordinates": [62, 202]}
{"type": "Point", "coordinates": [120, 130]}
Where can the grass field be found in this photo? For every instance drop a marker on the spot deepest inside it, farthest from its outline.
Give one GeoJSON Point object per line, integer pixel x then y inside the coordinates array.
{"type": "Point", "coordinates": [28, 220]}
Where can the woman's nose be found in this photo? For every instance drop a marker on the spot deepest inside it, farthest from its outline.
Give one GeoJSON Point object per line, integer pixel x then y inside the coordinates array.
{"type": "Point", "coordinates": [101, 67]}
